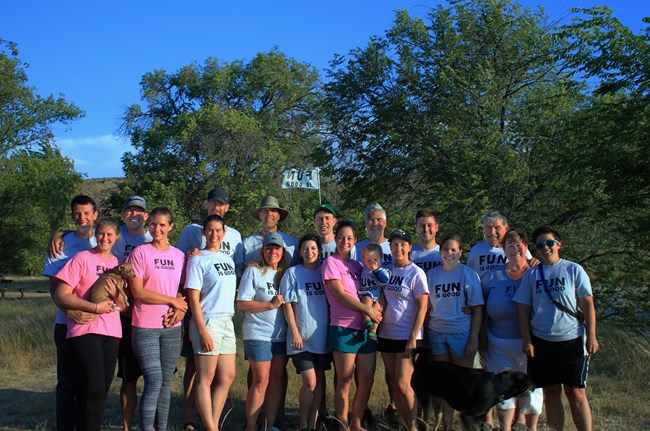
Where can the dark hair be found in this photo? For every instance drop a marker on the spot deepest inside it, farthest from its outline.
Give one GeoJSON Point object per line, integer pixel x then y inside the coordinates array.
{"type": "Point", "coordinates": [346, 223]}
{"type": "Point", "coordinates": [108, 221]}
{"type": "Point", "coordinates": [83, 200]}
{"type": "Point", "coordinates": [514, 234]}
{"type": "Point", "coordinates": [452, 236]}
{"type": "Point", "coordinates": [211, 218]}
{"type": "Point", "coordinates": [541, 230]}
{"type": "Point", "coordinates": [158, 211]}
{"type": "Point", "coordinates": [426, 212]}
{"type": "Point", "coordinates": [309, 237]}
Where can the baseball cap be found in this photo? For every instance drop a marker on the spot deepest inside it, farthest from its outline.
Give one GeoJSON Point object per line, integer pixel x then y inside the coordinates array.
{"type": "Point", "coordinates": [218, 195]}
{"type": "Point", "coordinates": [273, 238]}
{"type": "Point", "coordinates": [135, 201]}
{"type": "Point", "coordinates": [400, 233]}
{"type": "Point", "coordinates": [325, 207]}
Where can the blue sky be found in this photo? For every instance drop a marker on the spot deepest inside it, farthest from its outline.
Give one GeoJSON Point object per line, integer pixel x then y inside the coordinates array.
{"type": "Point", "coordinates": [94, 53]}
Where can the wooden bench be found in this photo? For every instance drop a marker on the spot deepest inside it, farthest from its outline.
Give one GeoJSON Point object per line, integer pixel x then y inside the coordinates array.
{"type": "Point", "coordinates": [5, 284]}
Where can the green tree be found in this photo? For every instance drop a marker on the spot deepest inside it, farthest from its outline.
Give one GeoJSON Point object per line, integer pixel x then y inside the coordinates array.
{"type": "Point", "coordinates": [36, 181]}
{"type": "Point", "coordinates": [235, 125]}
{"type": "Point", "coordinates": [26, 118]}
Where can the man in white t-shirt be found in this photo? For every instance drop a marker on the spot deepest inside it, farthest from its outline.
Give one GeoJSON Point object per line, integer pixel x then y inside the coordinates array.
{"type": "Point", "coordinates": [84, 213]}
{"type": "Point", "coordinates": [376, 227]}
{"type": "Point", "coordinates": [488, 255]}
{"type": "Point", "coordinates": [426, 253]}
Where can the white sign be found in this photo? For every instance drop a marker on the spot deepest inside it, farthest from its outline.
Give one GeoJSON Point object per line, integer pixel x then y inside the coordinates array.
{"type": "Point", "coordinates": [301, 179]}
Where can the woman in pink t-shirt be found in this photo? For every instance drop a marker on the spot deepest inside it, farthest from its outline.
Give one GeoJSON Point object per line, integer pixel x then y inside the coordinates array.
{"type": "Point", "coordinates": [157, 314]}
{"type": "Point", "coordinates": [348, 339]}
{"type": "Point", "coordinates": [95, 343]}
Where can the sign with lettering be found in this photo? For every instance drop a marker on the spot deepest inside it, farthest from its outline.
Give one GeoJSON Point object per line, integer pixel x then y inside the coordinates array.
{"type": "Point", "coordinates": [301, 179]}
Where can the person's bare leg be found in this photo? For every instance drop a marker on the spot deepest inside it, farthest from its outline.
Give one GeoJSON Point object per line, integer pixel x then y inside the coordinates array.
{"type": "Point", "coordinates": [344, 366]}
{"type": "Point", "coordinates": [554, 407]}
{"type": "Point", "coordinates": [225, 376]}
{"type": "Point", "coordinates": [580, 409]}
{"type": "Point", "coordinates": [365, 365]}
{"type": "Point", "coordinates": [128, 402]}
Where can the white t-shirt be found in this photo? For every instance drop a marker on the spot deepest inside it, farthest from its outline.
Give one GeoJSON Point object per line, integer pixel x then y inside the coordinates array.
{"type": "Point", "coordinates": [302, 288]}
{"type": "Point", "coordinates": [483, 258]}
{"type": "Point", "coordinates": [567, 281]}
{"type": "Point", "coordinates": [231, 245]}
{"type": "Point", "coordinates": [266, 325]}
{"type": "Point", "coordinates": [127, 242]}
{"type": "Point", "coordinates": [72, 245]}
{"type": "Point", "coordinates": [387, 258]}
{"type": "Point", "coordinates": [253, 247]}
{"type": "Point", "coordinates": [213, 275]}
{"type": "Point", "coordinates": [406, 284]}
{"type": "Point", "coordinates": [449, 292]}
{"type": "Point", "coordinates": [426, 259]}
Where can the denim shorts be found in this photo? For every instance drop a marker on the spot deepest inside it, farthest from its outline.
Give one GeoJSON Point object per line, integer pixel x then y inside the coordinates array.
{"type": "Point", "coordinates": [263, 351]}
{"type": "Point", "coordinates": [443, 343]}
{"type": "Point", "coordinates": [304, 361]}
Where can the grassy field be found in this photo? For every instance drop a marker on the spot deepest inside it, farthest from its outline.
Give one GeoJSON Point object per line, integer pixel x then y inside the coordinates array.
{"type": "Point", "coordinates": [618, 384]}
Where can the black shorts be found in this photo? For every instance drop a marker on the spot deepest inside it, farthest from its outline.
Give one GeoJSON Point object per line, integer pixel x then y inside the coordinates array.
{"type": "Point", "coordinates": [559, 362]}
{"type": "Point", "coordinates": [128, 368]}
{"type": "Point", "coordinates": [304, 361]}
{"type": "Point", "coordinates": [393, 346]}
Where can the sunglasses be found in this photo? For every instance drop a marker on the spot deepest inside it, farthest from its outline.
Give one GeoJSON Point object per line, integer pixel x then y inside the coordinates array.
{"type": "Point", "coordinates": [548, 243]}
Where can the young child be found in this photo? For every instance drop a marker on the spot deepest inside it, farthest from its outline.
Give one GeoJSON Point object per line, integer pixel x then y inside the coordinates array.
{"type": "Point", "coordinates": [373, 279]}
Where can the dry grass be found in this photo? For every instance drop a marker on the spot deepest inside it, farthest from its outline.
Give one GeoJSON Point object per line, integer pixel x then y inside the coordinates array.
{"type": "Point", "coordinates": [618, 387]}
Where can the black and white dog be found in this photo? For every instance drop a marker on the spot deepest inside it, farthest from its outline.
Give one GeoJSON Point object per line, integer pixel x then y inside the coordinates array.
{"type": "Point", "coordinates": [469, 391]}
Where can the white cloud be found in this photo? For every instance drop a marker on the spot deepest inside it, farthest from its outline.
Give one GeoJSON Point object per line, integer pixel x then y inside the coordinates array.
{"type": "Point", "coordinates": [95, 156]}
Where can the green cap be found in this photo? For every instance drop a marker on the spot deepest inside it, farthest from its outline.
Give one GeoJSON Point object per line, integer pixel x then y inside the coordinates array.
{"type": "Point", "coordinates": [325, 207]}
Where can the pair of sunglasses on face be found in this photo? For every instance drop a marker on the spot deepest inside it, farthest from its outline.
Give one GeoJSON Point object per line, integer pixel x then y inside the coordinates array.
{"type": "Point", "coordinates": [548, 243]}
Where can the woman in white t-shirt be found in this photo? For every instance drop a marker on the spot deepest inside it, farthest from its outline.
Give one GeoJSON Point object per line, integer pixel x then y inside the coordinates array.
{"type": "Point", "coordinates": [264, 331]}
{"type": "Point", "coordinates": [405, 298]}
{"type": "Point", "coordinates": [211, 284]}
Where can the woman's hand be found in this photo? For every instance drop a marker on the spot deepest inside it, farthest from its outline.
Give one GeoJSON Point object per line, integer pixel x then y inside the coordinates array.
{"type": "Point", "coordinates": [471, 348]}
{"type": "Point", "coordinates": [206, 341]}
{"type": "Point", "coordinates": [179, 303]}
{"type": "Point", "coordinates": [81, 317]}
{"type": "Point", "coordinates": [277, 301]}
{"type": "Point", "coordinates": [411, 346]}
{"type": "Point", "coordinates": [374, 314]}
{"type": "Point", "coordinates": [297, 343]}
{"type": "Point", "coordinates": [107, 306]}
{"type": "Point", "coordinates": [172, 317]}
{"type": "Point", "coordinates": [528, 349]}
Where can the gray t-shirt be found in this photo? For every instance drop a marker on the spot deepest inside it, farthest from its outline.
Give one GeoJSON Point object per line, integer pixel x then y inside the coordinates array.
{"type": "Point", "coordinates": [449, 292]}
{"type": "Point", "coordinates": [266, 325]}
{"type": "Point", "coordinates": [213, 275]}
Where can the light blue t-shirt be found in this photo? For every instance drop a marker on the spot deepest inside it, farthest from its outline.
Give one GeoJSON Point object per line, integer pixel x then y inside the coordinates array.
{"type": "Point", "coordinates": [231, 245]}
{"type": "Point", "coordinates": [426, 259]}
{"type": "Point", "coordinates": [330, 248]}
{"type": "Point", "coordinates": [501, 311]}
{"type": "Point", "coordinates": [387, 258]}
{"type": "Point", "coordinates": [127, 242]}
{"type": "Point", "coordinates": [266, 325]}
{"type": "Point", "coordinates": [567, 281]}
{"type": "Point", "coordinates": [302, 289]}
{"type": "Point", "coordinates": [213, 274]}
{"type": "Point", "coordinates": [449, 292]}
{"type": "Point", "coordinates": [72, 245]}
{"type": "Point", "coordinates": [368, 285]}
{"type": "Point", "coordinates": [253, 248]}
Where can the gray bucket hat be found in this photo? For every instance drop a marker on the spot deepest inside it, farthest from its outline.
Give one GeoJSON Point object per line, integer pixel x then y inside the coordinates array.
{"type": "Point", "coordinates": [269, 202]}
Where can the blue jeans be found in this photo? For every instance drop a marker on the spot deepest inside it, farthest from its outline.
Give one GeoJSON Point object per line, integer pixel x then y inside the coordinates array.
{"type": "Point", "coordinates": [157, 351]}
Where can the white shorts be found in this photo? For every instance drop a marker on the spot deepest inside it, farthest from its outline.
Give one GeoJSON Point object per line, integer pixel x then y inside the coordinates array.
{"type": "Point", "coordinates": [222, 331]}
{"type": "Point", "coordinates": [506, 355]}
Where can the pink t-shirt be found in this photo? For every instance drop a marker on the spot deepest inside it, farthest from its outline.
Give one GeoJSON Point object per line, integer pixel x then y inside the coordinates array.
{"type": "Point", "coordinates": [80, 273]}
{"type": "Point", "coordinates": [160, 271]}
{"type": "Point", "coordinates": [349, 274]}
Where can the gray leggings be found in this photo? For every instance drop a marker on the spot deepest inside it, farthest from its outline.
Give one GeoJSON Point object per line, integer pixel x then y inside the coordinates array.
{"type": "Point", "coordinates": [157, 351]}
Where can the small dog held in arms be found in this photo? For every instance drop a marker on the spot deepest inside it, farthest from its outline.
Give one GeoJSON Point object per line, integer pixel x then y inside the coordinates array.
{"type": "Point", "coordinates": [471, 392]}
{"type": "Point", "coordinates": [111, 284]}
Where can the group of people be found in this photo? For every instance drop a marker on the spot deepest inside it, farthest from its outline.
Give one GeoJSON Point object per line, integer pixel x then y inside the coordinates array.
{"type": "Point", "coordinates": [322, 299]}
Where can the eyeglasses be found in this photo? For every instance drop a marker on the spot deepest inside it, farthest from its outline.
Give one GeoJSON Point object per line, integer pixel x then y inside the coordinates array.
{"type": "Point", "coordinates": [548, 243]}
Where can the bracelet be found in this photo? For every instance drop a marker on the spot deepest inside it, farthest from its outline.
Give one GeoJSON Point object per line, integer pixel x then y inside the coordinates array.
{"type": "Point", "coordinates": [95, 309]}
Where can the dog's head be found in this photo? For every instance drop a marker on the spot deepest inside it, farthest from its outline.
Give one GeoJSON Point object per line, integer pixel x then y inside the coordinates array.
{"type": "Point", "coordinates": [512, 384]}
{"type": "Point", "coordinates": [421, 357]}
{"type": "Point", "coordinates": [125, 270]}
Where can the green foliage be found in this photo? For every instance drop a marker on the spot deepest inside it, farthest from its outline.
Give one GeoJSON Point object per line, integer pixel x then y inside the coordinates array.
{"type": "Point", "coordinates": [235, 125]}
{"type": "Point", "coordinates": [36, 182]}
{"type": "Point", "coordinates": [38, 186]}
{"type": "Point", "coordinates": [25, 117]}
